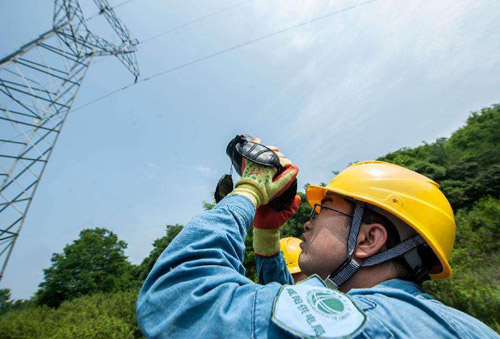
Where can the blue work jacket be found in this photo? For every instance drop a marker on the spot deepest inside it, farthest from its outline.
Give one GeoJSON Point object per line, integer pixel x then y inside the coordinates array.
{"type": "Point", "coordinates": [273, 269]}
{"type": "Point", "coordinates": [197, 289]}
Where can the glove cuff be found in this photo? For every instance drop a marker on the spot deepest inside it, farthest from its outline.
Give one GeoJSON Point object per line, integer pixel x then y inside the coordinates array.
{"type": "Point", "coordinates": [249, 189]}
{"type": "Point", "coordinates": [266, 243]}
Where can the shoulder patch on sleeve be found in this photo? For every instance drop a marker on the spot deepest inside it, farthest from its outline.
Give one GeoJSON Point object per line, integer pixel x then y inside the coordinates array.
{"type": "Point", "coordinates": [312, 311]}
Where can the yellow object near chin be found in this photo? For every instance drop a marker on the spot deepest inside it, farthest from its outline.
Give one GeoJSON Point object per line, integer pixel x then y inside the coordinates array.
{"type": "Point", "coordinates": [291, 251]}
{"type": "Point", "coordinates": [411, 197]}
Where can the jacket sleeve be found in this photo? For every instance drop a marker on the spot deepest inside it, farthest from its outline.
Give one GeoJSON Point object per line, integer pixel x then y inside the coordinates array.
{"type": "Point", "coordinates": [197, 288]}
{"type": "Point", "coordinates": [273, 269]}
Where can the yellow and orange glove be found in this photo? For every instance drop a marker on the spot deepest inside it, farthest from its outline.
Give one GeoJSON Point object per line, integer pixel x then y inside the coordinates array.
{"type": "Point", "coordinates": [259, 184]}
{"type": "Point", "coordinates": [266, 228]}
{"type": "Point", "coordinates": [267, 221]}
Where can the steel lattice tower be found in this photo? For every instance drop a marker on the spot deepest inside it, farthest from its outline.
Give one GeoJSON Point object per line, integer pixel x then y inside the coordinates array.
{"type": "Point", "coordinates": [38, 85]}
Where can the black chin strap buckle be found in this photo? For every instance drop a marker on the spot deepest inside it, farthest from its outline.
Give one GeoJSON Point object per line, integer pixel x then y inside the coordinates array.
{"type": "Point", "coordinates": [344, 272]}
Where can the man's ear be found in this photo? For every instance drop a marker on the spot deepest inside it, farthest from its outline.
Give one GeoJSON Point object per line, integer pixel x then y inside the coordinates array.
{"type": "Point", "coordinates": [371, 240]}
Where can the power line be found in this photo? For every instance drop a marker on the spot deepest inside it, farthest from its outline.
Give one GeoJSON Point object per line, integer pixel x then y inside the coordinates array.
{"type": "Point", "coordinates": [112, 7]}
{"type": "Point", "coordinates": [180, 26]}
{"type": "Point", "coordinates": [122, 3]}
{"type": "Point", "coordinates": [193, 21]}
{"type": "Point", "coordinates": [224, 51]}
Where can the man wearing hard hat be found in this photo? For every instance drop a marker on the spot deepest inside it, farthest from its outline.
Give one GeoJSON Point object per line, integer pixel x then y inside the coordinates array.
{"type": "Point", "coordinates": [376, 231]}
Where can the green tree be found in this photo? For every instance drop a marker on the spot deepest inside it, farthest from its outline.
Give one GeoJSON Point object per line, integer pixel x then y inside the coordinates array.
{"type": "Point", "coordinates": [95, 262]}
{"type": "Point", "coordinates": [5, 302]}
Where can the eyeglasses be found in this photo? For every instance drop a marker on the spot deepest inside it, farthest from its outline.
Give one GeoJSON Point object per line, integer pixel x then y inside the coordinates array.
{"type": "Point", "coordinates": [317, 210]}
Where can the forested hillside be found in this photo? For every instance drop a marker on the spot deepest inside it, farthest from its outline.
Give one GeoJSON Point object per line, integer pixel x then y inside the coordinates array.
{"type": "Point", "coordinates": [90, 288]}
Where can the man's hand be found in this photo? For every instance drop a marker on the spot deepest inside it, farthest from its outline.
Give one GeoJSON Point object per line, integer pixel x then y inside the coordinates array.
{"type": "Point", "coordinates": [267, 221]}
{"type": "Point", "coordinates": [258, 183]}
{"type": "Point", "coordinates": [266, 218]}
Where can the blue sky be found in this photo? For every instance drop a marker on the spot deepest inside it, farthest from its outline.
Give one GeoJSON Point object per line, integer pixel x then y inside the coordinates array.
{"type": "Point", "coordinates": [350, 87]}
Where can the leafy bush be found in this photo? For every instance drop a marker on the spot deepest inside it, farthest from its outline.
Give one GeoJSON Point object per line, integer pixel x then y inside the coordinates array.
{"type": "Point", "coordinates": [96, 316]}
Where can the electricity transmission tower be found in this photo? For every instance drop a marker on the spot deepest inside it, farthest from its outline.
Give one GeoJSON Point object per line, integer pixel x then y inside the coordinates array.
{"type": "Point", "coordinates": [38, 85]}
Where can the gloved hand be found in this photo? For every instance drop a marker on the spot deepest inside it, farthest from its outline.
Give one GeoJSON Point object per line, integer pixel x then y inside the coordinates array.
{"type": "Point", "coordinates": [267, 221]}
{"type": "Point", "coordinates": [266, 233]}
{"type": "Point", "coordinates": [267, 218]}
{"type": "Point", "coordinates": [258, 183]}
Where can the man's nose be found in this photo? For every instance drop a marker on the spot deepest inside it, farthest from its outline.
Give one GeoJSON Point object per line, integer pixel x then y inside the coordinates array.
{"type": "Point", "coordinates": [308, 225]}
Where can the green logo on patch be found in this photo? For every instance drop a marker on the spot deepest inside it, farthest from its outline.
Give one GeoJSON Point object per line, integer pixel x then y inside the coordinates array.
{"type": "Point", "coordinates": [329, 303]}
{"type": "Point", "coordinates": [326, 303]}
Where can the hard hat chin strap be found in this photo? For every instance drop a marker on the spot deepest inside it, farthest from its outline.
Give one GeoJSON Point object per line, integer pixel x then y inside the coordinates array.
{"type": "Point", "coordinates": [350, 266]}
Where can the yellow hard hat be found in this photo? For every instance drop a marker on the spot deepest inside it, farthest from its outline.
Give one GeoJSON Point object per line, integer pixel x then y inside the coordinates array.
{"type": "Point", "coordinates": [411, 197]}
{"type": "Point", "coordinates": [291, 251]}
